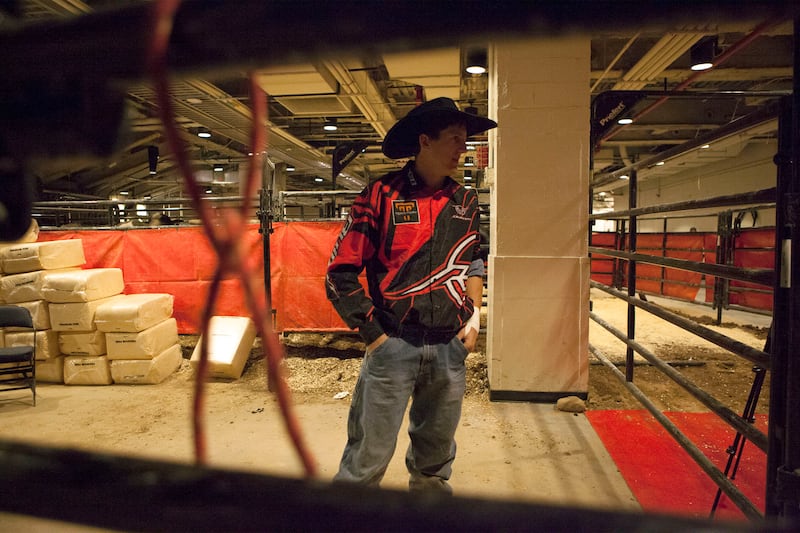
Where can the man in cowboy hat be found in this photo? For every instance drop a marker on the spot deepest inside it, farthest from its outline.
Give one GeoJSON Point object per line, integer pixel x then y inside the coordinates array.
{"type": "Point", "coordinates": [415, 231]}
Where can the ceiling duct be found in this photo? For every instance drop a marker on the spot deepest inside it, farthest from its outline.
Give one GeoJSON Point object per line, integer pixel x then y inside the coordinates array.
{"type": "Point", "coordinates": [438, 71]}
{"type": "Point", "coordinates": [316, 105]}
{"type": "Point", "coordinates": [364, 94]}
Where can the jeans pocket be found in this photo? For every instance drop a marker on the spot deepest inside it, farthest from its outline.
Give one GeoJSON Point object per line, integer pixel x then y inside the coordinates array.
{"type": "Point", "coordinates": [462, 349]}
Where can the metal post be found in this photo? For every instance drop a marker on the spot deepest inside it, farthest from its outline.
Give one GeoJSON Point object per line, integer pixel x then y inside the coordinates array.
{"type": "Point", "coordinates": [781, 489]}
{"type": "Point", "coordinates": [789, 476]}
{"type": "Point", "coordinates": [632, 229]}
{"type": "Point", "coordinates": [724, 245]}
{"type": "Point", "coordinates": [265, 228]}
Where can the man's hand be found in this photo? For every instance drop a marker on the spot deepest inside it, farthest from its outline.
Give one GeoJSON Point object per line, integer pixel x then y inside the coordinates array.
{"type": "Point", "coordinates": [469, 333]}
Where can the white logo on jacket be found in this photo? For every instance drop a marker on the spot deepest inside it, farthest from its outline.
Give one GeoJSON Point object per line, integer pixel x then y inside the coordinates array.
{"type": "Point", "coordinates": [452, 275]}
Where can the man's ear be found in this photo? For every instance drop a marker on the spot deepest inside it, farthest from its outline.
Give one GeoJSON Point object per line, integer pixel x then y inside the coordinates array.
{"type": "Point", "coordinates": [424, 140]}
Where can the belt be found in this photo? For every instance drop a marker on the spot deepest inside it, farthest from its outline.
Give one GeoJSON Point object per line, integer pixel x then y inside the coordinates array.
{"type": "Point", "coordinates": [418, 335]}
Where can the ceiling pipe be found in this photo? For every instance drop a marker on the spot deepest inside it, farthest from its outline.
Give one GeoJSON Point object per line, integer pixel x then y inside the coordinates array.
{"type": "Point", "coordinates": [657, 59]}
{"type": "Point", "coordinates": [356, 92]}
{"type": "Point", "coordinates": [724, 56]}
{"type": "Point", "coordinates": [614, 61]}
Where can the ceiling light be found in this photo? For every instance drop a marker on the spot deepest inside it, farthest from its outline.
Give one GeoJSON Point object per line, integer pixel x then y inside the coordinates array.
{"type": "Point", "coordinates": [290, 168]}
{"type": "Point", "coordinates": [476, 61]}
{"type": "Point", "coordinates": [705, 147]}
{"type": "Point", "coordinates": [469, 162]}
{"type": "Point", "coordinates": [467, 175]}
{"type": "Point", "coordinates": [205, 133]}
{"type": "Point", "coordinates": [218, 168]}
{"type": "Point", "coordinates": [624, 177]}
{"type": "Point", "coordinates": [625, 121]}
{"type": "Point", "coordinates": [194, 100]}
{"type": "Point", "coordinates": [124, 193]}
{"type": "Point", "coordinates": [660, 163]}
{"type": "Point", "coordinates": [209, 191]}
{"type": "Point", "coordinates": [318, 180]}
{"type": "Point", "coordinates": [702, 53]}
{"type": "Point", "coordinates": [330, 125]}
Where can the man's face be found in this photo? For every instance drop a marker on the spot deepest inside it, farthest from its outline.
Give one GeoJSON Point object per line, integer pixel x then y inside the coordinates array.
{"type": "Point", "coordinates": [445, 151]}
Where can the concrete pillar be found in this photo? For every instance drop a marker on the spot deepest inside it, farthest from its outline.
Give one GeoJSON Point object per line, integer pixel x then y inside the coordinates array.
{"type": "Point", "coordinates": [538, 292]}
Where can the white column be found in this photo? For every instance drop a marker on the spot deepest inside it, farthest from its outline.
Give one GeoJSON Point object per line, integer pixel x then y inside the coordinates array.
{"type": "Point", "coordinates": [537, 336]}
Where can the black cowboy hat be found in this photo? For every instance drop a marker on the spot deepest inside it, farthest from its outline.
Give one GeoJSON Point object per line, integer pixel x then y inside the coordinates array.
{"type": "Point", "coordinates": [403, 139]}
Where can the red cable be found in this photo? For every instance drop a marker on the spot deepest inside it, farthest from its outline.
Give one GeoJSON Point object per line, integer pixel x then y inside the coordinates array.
{"type": "Point", "coordinates": [225, 237]}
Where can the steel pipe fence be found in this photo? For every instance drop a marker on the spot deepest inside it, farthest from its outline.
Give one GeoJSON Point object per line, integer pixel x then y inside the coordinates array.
{"type": "Point", "coordinates": [779, 357]}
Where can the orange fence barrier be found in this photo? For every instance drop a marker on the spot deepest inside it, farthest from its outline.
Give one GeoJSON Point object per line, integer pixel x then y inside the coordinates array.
{"type": "Point", "coordinates": [753, 248]}
{"type": "Point", "coordinates": [180, 261]}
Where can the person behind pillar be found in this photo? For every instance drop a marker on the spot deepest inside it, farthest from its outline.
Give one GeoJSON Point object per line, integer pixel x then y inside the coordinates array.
{"type": "Point", "coordinates": [415, 231]}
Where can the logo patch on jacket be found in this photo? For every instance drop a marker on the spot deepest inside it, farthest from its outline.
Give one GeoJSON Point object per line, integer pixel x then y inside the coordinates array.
{"type": "Point", "coordinates": [405, 212]}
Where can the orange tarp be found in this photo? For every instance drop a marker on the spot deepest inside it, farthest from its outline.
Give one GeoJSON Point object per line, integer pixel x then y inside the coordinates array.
{"type": "Point", "coordinates": [180, 261]}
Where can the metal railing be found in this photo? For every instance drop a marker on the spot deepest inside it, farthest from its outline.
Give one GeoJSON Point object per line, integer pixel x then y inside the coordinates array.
{"type": "Point", "coordinates": [782, 486]}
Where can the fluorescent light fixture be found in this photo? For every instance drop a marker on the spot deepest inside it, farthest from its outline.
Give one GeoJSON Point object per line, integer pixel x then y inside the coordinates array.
{"type": "Point", "coordinates": [469, 161]}
{"type": "Point", "coordinates": [660, 163]}
{"type": "Point", "coordinates": [318, 180]}
{"type": "Point", "coordinates": [209, 191]}
{"type": "Point", "coordinates": [124, 193]}
{"type": "Point", "coordinates": [624, 177]}
{"type": "Point", "coordinates": [290, 168]}
{"type": "Point", "coordinates": [625, 121]}
{"type": "Point", "coordinates": [218, 168]}
{"type": "Point", "coordinates": [205, 133]}
{"type": "Point", "coordinates": [467, 175]}
{"type": "Point", "coordinates": [705, 147]}
{"type": "Point", "coordinates": [330, 125]}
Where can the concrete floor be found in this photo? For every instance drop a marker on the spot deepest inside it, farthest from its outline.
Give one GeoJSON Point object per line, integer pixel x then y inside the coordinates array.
{"type": "Point", "coordinates": [507, 451]}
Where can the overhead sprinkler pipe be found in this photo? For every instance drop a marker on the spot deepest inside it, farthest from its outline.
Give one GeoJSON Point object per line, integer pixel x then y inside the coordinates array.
{"type": "Point", "coordinates": [727, 54]}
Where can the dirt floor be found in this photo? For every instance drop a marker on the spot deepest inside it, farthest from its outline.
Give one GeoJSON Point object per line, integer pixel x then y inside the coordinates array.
{"type": "Point", "coordinates": [328, 364]}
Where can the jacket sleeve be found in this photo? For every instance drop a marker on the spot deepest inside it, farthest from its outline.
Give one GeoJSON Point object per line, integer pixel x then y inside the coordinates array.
{"type": "Point", "coordinates": [353, 250]}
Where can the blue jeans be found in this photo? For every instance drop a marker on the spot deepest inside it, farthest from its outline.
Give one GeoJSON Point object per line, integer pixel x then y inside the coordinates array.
{"type": "Point", "coordinates": [433, 376]}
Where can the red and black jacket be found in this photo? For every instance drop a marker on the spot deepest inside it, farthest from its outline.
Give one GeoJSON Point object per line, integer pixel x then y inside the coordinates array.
{"type": "Point", "coordinates": [417, 246]}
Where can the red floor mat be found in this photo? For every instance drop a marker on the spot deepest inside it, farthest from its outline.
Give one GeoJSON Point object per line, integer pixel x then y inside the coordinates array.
{"type": "Point", "coordinates": [663, 476]}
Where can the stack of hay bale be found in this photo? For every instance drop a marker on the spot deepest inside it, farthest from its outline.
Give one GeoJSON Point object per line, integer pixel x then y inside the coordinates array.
{"type": "Point", "coordinates": [26, 267]}
{"type": "Point", "coordinates": [141, 336]}
{"type": "Point", "coordinates": [74, 298]}
{"type": "Point", "coordinates": [87, 331]}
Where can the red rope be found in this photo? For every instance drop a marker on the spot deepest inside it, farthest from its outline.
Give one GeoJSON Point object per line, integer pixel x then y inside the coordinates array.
{"type": "Point", "coordinates": [225, 236]}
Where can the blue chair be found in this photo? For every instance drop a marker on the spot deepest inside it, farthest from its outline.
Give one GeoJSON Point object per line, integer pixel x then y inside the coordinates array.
{"type": "Point", "coordinates": [18, 363]}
